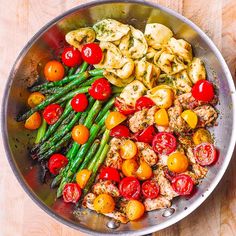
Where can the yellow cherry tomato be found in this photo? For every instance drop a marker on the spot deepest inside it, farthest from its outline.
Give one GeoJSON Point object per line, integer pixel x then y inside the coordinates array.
{"type": "Point", "coordinates": [113, 119]}
{"type": "Point", "coordinates": [162, 95]}
{"type": "Point", "coordinates": [202, 136]}
{"type": "Point", "coordinates": [177, 162]}
{"type": "Point", "coordinates": [104, 203]}
{"type": "Point", "coordinates": [129, 167]}
{"type": "Point", "coordinates": [80, 134]}
{"type": "Point", "coordinates": [144, 171]}
{"type": "Point", "coordinates": [190, 117]}
{"type": "Point", "coordinates": [82, 177]}
{"type": "Point", "coordinates": [161, 117]}
{"type": "Point", "coordinates": [134, 209]}
{"type": "Point", "coordinates": [33, 122]}
{"type": "Point", "coordinates": [35, 99]}
{"type": "Point", "coordinates": [128, 149]}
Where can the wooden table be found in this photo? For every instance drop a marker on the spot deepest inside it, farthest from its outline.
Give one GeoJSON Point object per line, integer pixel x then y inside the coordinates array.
{"type": "Point", "coordinates": [19, 20]}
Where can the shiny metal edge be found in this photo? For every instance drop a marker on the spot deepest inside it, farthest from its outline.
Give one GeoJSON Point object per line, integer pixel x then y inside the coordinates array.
{"type": "Point", "coordinates": [174, 219]}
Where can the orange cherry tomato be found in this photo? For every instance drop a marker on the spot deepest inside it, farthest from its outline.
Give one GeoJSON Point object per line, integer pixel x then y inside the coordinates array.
{"type": "Point", "coordinates": [128, 149]}
{"type": "Point", "coordinates": [134, 209]}
{"type": "Point", "coordinates": [33, 122]}
{"type": "Point", "coordinates": [80, 134]}
{"type": "Point", "coordinates": [129, 167]}
{"type": "Point", "coordinates": [104, 203]}
{"type": "Point", "coordinates": [114, 118]}
{"type": "Point", "coordinates": [35, 99]}
{"type": "Point", "coordinates": [54, 71]}
{"type": "Point", "coordinates": [82, 177]}
{"type": "Point", "coordinates": [144, 171]}
{"type": "Point", "coordinates": [177, 162]}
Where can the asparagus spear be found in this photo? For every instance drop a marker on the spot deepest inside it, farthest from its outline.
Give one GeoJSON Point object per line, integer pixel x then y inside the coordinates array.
{"type": "Point", "coordinates": [41, 132]}
{"type": "Point", "coordinates": [60, 93]}
{"type": "Point", "coordinates": [98, 163]}
{"type": "Point", "coordinates": [71, 169]}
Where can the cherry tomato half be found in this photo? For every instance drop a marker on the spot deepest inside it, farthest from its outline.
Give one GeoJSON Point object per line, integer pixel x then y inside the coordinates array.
{"type": "Point", "coordinates": [56, 162]}
{"type": "Point", "coordinates": [54, 71]}
{"type": "Point", "coordinates": [71, 192]}
{"type": "Point", "coordinates": [203, 90]}
{"type": "Point", "coordinates": [92, 53]}
{"type": "Point", "coordinates": [164, 143]}
{"type": "Point", "coordinates": [52, 113]}
{"type": "Point", "coordinates": [130, 188]}
{"type": "Point", "coordinates": [113, 119]}
{"type": "Point", "coordinates": [100, 89]}
{"type": "Point", "coordinates": [79, 102]}
{"type": "Point", "coordinates": [33, 122]}
{"type": "Point", "coordinates": [35, 99]}
{"type": "Point", "coordinates": [205, 154]}
{"type": "Point", "coordinates": [120, 131]}
{"type": "Point", "coordinates": [71, 57]}
{"type": "Point", "coordinates": [144, 102]}
{"type": "Point", "coordinates": [146, 135]}
{"type": "Point", "coordinates": [123, 108]}
{"type": "Point", "coordinates": [110, 173]}
{"type": "Point", "coordinates": [182, 184]}
{"type": "Point", "coordinates": [150, 189]}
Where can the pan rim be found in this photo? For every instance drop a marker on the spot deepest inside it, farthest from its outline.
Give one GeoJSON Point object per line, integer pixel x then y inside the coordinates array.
{"type": "Point", "coordinates": [150, 229]}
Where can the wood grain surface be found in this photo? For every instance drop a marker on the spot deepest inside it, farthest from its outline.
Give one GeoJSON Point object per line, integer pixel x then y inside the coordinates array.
{"type": "Point", "coordinates": [19, 20]}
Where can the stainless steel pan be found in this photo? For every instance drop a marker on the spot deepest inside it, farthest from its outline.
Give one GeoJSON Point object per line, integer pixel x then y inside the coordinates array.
{"type": "Point", "coordinates": [43, 46]}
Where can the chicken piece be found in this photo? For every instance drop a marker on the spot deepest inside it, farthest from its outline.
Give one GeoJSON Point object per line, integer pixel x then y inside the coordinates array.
{"type": "Point", "coordinates": [88, 203]}
{"type": "Point", "coordinates": [113, 158]}
{"type": "Point", "coordinates": [121, 205]}
{"type": "Point", "coordinates": [157, 203]}
{"type": "Point", "coordinates": [142, 119]}
{"type": "Point", "coordinates": [190, 155]}
{"type": "Point", "coordinates": [176, 122]}
{"type": "Point", "coordinates": [162, 160]}
{"type": "Point", "coordinates": [207, 115]}
{"type": "Point", "coordinates": [146, 153]}
{"type": "Point", "coordinates": [106, 186]}
{"type": "Point", "coordinates": [187, 101]}
{"type": "Point", "coordinates": [164, 184]}
{"type": "Point", "coordinates": [199, 171]}
{"type": "Point", "coordinates": [186, 141]}
{"type": "Point", "coordinates": [163, 128]}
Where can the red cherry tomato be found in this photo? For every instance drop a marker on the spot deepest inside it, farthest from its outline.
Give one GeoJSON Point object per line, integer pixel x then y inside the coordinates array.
{"type": "Point", "coordinates": [110, 173]}
{"type": "Point", "coordinates": [79, 102]}
{"type": "Point", "coordinates": [146, 135]}
{"type": "Point", "coordinates": [182, 184]}
{"type": "Point", "coordinates": [130, 188]}
{"type": "Point", "coordinates": [56, 162]}
{"type": "Point", "coordinates": [120, 131]}
{"type": "Point", "coordinates": [150, 189]}
{"type": "Point", "coordinates": [123, 108]}
{"type": "Point", "coordinates": [71, 192]}
{"type": "Point", "coordinates": [164, 143]}
{"type": "Point", "coordinates": [71, 57]}
{"type": "Point", "coordinates": [205, 154]}
{"type": "Point", "coordinates": [100, 89]}
{"type": "Point", "coordinates": [92, 53]}
{"type": "Point", "coordinates": [52, 113]}
{"type": "Point", "coordinates": [203, 90]}
{"type": "Point", "coordinates": [144, 102]}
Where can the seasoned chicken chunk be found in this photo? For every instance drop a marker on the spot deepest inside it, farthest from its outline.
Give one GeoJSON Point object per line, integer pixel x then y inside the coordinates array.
{"type": "Point", "coordinates": [106, 186]}
{"type": "Point", "coordinates": [113, 158]}
{"type": "Point", "coordinates": [187, 101]}
{"type": "Point", "coordinates": [157, 203]}
{"type": "Point", "coordinates": [165, 186]}
{"type": "Point", "coordinates": [199, 171]}
{"type": "Point", "coordinates": [142, 119]}
{"type": "Point", "coordinates": [207, 115]}
{"type": "Point", "coordinates": [146, 153]}
{"type": "Point", "coordinates": [176, 122]}
{"type": "Point", "coordinates": [88, 203]}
